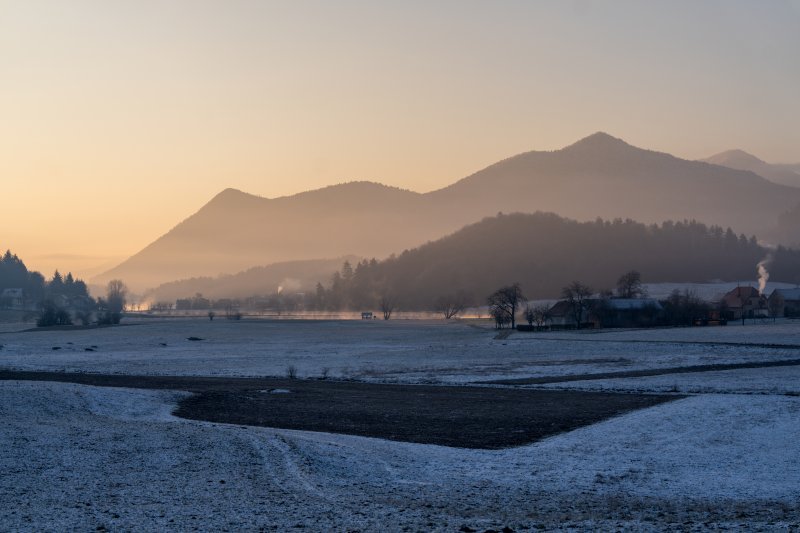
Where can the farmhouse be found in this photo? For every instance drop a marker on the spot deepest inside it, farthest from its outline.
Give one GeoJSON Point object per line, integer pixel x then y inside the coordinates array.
{"type": "Point", "coordinates": [562, 317]}
{"type": "Point", "coordinates": [608, 312]}
{"type": "Point", "coordinates": [744, 302]}
{"type": "Point", "coordinates": [12, 299]}
{"type": "Point", "coordinates": [627, 312]}
{"type": "Point", "coordinates": [785, 302]}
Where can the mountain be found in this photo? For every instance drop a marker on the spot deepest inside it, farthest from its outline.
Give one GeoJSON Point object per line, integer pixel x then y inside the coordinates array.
{"type": "Point", "coordinates": [741, 160]}
{"type": "Point", "coordinates": [599, 176]}
{"type": "Point", "coordinates": [236, 231]}
{"type": "Point", "coordinates": [602, 176]}
{"type": "Point", "coordinates": [290, 276]}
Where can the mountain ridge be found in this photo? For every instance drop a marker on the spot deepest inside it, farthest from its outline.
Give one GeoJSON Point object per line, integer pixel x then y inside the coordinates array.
{"type": "Point", "coordinates": [781, 174]}
{"type": "Point", "coordinates": [261, 280]}
{"type": "Point", "coordinates": [597, 176]}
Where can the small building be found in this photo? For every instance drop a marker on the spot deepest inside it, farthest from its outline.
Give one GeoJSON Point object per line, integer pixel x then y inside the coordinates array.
{"type": "Point", "coordinates": [627, 312]}
{"type": "Point", "coordinates": [744, 302]}
{"type": "Point", "coordinates": [562, 316]}
{"type": "Point", "coordinates": [784, 302]}
{"type": "Point", "coordinates": [608, 313]}
{"type": "Point", "coordinates": [12, 299]}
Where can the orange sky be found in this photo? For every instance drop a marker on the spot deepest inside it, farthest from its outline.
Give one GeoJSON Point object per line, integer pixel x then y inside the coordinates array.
{"type": "Point", "coordinates": [119, 119]}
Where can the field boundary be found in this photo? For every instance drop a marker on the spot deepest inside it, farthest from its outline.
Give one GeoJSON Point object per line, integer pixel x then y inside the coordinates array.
{"type": "Point", "coordinates": [640, 373]}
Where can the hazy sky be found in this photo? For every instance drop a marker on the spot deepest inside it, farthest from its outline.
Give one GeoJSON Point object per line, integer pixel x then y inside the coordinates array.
{"type": "Point", "coordinates": [119, 119]}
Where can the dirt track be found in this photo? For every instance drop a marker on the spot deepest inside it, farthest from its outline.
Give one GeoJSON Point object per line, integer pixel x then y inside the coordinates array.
{"type": "Point", "coordinates": [466, 417]}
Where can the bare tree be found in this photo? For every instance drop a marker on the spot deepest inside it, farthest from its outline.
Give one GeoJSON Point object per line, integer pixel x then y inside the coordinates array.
{"type": "Point", "coordinates": [629, 285]}
{"type": "Point", "coordinates": [775, 305]}
{"type": "Point", "coordinates": [542, 315]}
{"type": "Point", "coordinates": [387, 304]}
{"type": "Point", "coordinates": [506, 300]}
{"type": "Point", "coordinates": [539, 315]}
{"type": "Point", "coordinates": [577, 296]}
{"type": "Point", "coordinates": [116, 292]}
{"type": "Point", "coordinates": [500, 317]}
{"type": "Point", "coordinates": [529, 315]}
{"type": "Point", "coordinates": [683, 308]}
{"type": "Point", "coordinates": [450, 305]}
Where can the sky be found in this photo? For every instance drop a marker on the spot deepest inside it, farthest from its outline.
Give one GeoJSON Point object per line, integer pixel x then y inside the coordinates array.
{"type": "Point", "coordinates": [120, 119]}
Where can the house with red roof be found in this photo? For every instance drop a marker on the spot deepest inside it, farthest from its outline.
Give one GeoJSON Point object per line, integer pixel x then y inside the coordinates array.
{"type": "Point", "coordinates": [744, 302]}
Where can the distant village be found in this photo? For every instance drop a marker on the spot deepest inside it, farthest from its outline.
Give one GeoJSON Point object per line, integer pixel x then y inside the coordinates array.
{"type": "Point", "coordinates": [741, 303]}
{"type": "Point", "coordinates": [630, 307]}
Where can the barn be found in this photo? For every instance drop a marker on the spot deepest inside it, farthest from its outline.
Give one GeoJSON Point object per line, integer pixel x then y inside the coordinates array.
{"type": "Point", "coordinates": [785, 302]}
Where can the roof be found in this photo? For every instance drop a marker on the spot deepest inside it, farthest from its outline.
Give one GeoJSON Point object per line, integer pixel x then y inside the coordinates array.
{"type": "Point", "coordinates": [560, 308]}
{"type": "Point", "coordinates": [11, 293]}
{"type": "Point", "coordinates": [622, 304]}
{"type": "Point", "coordinates": [788, 294]}
{"type": "Point", "coordinates": [744, 292]}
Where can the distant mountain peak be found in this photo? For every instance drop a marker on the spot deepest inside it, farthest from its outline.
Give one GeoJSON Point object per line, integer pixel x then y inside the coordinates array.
{"type": "Point", "coordinates": [598, 141]}
{"type": "Point", "coordinates": [363, 185]}
{"type": "Point", "coordinates": [740, 152]}
{"type": "Point", "coordinates": [741, 160]}
{"type": "Point", "coordinates": [734, 156]}
{"type": "Point", "coordinates": [356, 190]}
{"type": "Point", "coordinates": [601, 136]}
{"type": "Point", "coordinates": [230, 198]}
{"type": "Point", "coordinates": [230, 192]}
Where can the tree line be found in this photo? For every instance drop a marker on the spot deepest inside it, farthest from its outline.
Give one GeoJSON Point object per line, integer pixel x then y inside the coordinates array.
{"type": "Point", "coordinates": [582, 304]}
{"type": "Point", "coordinates": [545, 253]}
{"type": "Point", "coordinates": [60, 300]}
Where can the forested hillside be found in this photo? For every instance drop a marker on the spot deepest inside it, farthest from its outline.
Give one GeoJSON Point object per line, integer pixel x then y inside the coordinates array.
{"type": "Point", "coordinates": [545, 252]}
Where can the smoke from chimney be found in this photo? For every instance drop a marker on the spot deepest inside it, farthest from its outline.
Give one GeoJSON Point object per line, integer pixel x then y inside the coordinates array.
{"type": "Point", "coordinates": [763, 273]}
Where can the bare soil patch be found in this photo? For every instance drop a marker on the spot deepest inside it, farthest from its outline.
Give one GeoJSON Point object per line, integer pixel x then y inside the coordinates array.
{"type": "Point", "coordinates": [458, 416]}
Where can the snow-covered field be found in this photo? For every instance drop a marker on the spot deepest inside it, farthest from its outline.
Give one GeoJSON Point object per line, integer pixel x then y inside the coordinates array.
{"type": "Point", "coordinates": [79, 458]}
{"type": "Point", "coordinates": [778, 380]}
{"type": "Point", "coordinates": [406, 351]}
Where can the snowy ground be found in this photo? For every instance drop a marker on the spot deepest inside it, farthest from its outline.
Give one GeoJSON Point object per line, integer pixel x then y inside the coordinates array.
{"type": "Point", "coordinates": [779, 380]}
{"type": "Point", "coordinates": [79, 458]}
{"type": "Point", "coordinates": [402, 351]}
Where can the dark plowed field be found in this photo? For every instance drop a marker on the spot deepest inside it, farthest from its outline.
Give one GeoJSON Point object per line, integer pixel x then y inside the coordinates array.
{"type": "Point", "coordinates": [464, 417]}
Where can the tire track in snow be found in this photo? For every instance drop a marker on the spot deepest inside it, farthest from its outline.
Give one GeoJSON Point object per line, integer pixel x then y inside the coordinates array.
{"type": "Point", "coordinates": [289, 455]}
